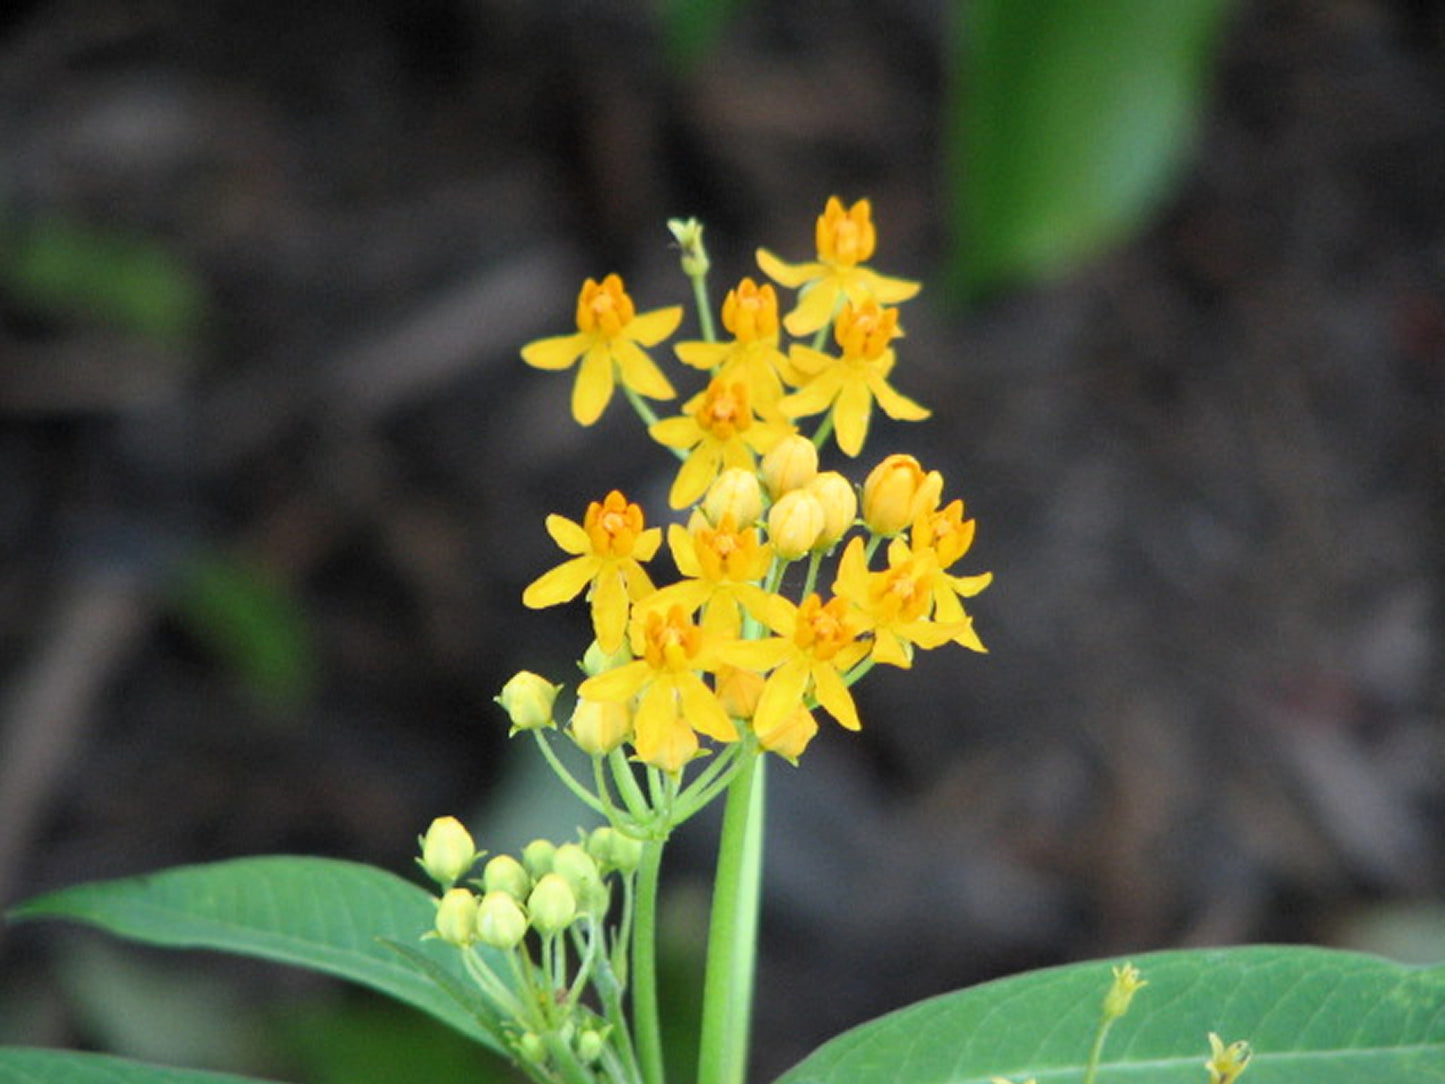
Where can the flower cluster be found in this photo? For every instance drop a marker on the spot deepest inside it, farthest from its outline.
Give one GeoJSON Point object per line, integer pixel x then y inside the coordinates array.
{"type": "Point", "coordinates": [737, 647]}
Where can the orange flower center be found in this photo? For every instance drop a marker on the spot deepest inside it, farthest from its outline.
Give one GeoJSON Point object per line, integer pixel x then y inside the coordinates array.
{"type": "Point", "coordinates": [671, 642]}
{"type": "Point", "coordinates": [612, 525]}
{"type": "Point", "coordinates": [751, 311]}
{"type": "Point", "coordinates": [823, 631]}
{"type": "Point", "coordinates": [604, 308]}
{"type": "Point", "coordinates": [864, 331]}
{"type": "Point", "coordinates": [724, 411]}
{"type": "Point", "coordinates": [846, 238]}
{"type": "Point", "coordinates": [726, 553]}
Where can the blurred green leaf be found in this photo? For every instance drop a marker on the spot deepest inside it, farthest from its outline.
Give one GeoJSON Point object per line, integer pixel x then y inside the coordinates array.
{"type": "Point", "coordinates": [1072, 118]}
{"type": "Point", "coordinates": [66, 268]}
{"type": "Point", "coordinates": [324, 914]}
{"type": "Point", "coordinates": [692, 27]}
{"type": "Point", "coordinates": [28, 1065]}
{"type": "Point", "coordinates": [252, 622]}
{"type": "Point", "coordinates": [1313, 1016]}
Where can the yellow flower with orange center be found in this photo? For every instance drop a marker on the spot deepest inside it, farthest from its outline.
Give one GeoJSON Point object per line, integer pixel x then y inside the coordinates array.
{"type": "Point", "coordinates": [894, 603]}
{"type": "Point", "coordinates": [721, 567]}
{"type": "Point", "coordinates": [845, 240]}
{"type": "Point", "coordinates": [719, 430]}
{"type": "Point", "coordinates": [947, 536]}
{"type": "Point", "coordinates": [607, 548]}
{"type": "Point", "coordinates": [849, 385]}
{"type": "Point", "coordinates": [609, 339]}
{"type": "Point", "coordinates": [815, 644]}
{"type": "Point", "coordinates": [750, 313]}
{"type": "Point", "coordinates": [674, 704]}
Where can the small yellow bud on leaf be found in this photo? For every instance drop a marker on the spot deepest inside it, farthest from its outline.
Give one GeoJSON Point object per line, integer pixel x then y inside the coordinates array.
{"type": "Point", "coordinates": [1227, 1063]}
{"type": "Point", "coordinates": [1121, 993]}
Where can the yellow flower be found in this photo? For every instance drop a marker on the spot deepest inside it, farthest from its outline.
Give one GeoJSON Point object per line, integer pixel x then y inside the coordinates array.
{"type": "Point", "coordinates": [750, 312]}
{"type": "Point", "coordinates": [848, 385]}
{"type": "Point", "coordinates": [1226, 1063]}
{"type": "Point", "coordinates": [721, 567]}
{"type": "Point", "coordinates": [846, 239]}
{"type": "Point", "coordinates": [814, 646]}
{"type": "Point", "coordinates": [720, 429]}
{"type": "Point", "coordinates": [896, 492]}
{"type": "Point", "coordinates": [607, 548]}
{"type": "Point", "coordinates": [674, 703]}
{"type": "Point", "coordinates": [609, 339]}
{"type": "Point", "coordinates": [945, 534]}
{"type": "Point", "coordinates": [893, 603]}
{"type": "Point", "coordinates": [790, 734]}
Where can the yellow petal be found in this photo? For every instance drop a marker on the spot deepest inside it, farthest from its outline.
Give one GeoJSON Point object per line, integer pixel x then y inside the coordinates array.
{"type": "Point", "coordinates": [890, 651]}
{"type": "Point", "coordinates": [619, 683]}
{"type": "Point", "coordinates": [609, 610]}
{"type": "Point", "coordinates": [814, 310]}
{"type": "Point", "coordinates": [850, 416]}
{"type": "Point", "coordinates": [759, 655]}
{"type": "Point", "coordinates": [640, 372]}
{"type": "Point", "coordinates": [593, 390]}
{"type": "Point", "coordinates": [684, 550]}
{"type": "Point", "coordinates": [561, 584]}
{"type": "Point", "coordinates": [568, 535]}
{"type": "Point", "coordinates": [814, 397]}
{"type": "Point", "coordinates": [659, 736]}
{"type": "Point", "coordinates": [696, 474]}
{"type": "Point", "coordinates": [702, 355]}
{"type": "Point", "coordinates": [650, 328]}
{"type": "Point", "coordinates": [833, 695]}
{"type": "Point", "coordinates": [645, 548]}
{"type": "Point", "coordinates": [791, 275]}
{"type": "Point", "coordinates": [782, 694]}
{"type": "Point", "coordinates": [890, 291]}
{"type": "Point", "coordinates": [556, 353]}
{"type": "Point", "coordinates": [703, 712]}
{"type": "Point", "coordinates": [679, 432]}
{"type": "Point", "coordinates": [895, 404]}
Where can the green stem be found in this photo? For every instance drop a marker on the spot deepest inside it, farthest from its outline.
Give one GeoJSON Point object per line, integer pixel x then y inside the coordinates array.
{"type": "Point", "coordinates": [646, 1023]}
{"type": "Point", "coordinates": [585, 796]}
{"type": "Point", "coordinates": [704, 307]}
{"type": "Point", "coordinates": [732, 942]}
{"type": "Point", "coordinates": [1097, 1050]}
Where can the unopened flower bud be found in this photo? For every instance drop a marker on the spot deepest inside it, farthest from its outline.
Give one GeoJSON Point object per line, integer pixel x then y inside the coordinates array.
{"type": "Point", "coordinates": [596, 661]}
{"type": "Point", "coordinates": [528, 700]}
{"type": "Point", "coordinates": [688, 234]}
{"type": "Point", "coordinates": [579, 869]}
{"type": "Point", "coordinates": [447, 851]}
{"type": "Point", "coordinates": [1126, 984]}
{"type": "Point", "coordinates": [738, 691]}
{"type": "Point", "coordinates": [789, 465]}
{"type": "Point", "coordinates": [614, 850]}
{"type": "Point", "coordinates": [896, 491]}
{"type": "Point", "coordinates": [600, 726]}
{"type": "Point", "coordinates": [590, 1045]}
{"type": "Point", "coordinates": [532, 1048]}
{"type": "Point", "coordinates": [537, 858]}
{"type": "Point", "coordinates": [505, 874]}
{"type": "Point", "coordinates": [790, 735]}
{"type": "Point", "coordinates": [500, 921]}
{"type": "Point", "coordinates": [840, 506]}
{"type": "Point", "coordinates": [794, 524]}
{"type": "Point", "coordinates": [457, 917]}
{"type": "Point", "coordinates": [737, 493]}
{"type": "Point", "coordinates": [552, 905]}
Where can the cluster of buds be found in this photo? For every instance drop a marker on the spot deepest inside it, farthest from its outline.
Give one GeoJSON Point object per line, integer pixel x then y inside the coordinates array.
{"type": "Point", "coordinates": [542, 914]}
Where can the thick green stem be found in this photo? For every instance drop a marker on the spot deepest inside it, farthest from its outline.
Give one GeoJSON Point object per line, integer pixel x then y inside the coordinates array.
{"type": "Point", "coordinates": [732, 942]}
{"type": "Point", "coordinates": [646, 1024]}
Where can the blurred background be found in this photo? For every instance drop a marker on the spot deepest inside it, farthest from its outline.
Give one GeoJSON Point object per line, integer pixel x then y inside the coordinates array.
{"type": "Point", "coordinates": [275, 475]}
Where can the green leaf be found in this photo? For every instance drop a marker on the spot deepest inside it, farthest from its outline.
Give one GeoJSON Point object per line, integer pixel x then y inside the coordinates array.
{"type": "Point", "coordinates": [1313, 1016]}
{"type": "Point", "coordinates": [28, 1065]}
{"type": "Point", "coordinates": [320, 913]}
{"type": "Point", "coordinates": [1072, 119]}
{"type": "Point", "coordinates": [692, 27]}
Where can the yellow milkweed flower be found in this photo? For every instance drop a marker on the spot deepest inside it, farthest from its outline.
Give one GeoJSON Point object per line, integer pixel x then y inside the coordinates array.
{"type": "Point", "coordinates": [609, 339]}
{"type": "Point", "coordinates": [846, 240]}
{"type": "Point", "coordinates": [721, 567]}
{"type": "Point", "coordinates": [848, 385]}
{"type": "Point", "coordinates": [815, 644]}
{"type": "Point", "coordinates": [606, 550]}
{"type": "Point", "coordinates": [945, 534]}
{"type": "Point", "coordinates": [893, 603]}
{"type": "Point", "coordinates": [674, 703]}
{"type": "Point", "coordinates": [750, 313]}
{"type": "Point", "coordinates": [720, 430]}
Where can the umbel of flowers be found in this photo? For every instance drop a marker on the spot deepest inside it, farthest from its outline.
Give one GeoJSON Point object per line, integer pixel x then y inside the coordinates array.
{"type": "Point", "coordinates": [788, 582]}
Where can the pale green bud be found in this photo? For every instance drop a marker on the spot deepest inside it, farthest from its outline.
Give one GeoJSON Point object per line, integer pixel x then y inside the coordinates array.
{"type": "Point", "coordinates": [552, 905]}
{"type": "Point", "coordinates": [505, 874]}
{"type": "Point", "coordinates": [688, 234]}
{"type": "Point", "coordinates": [596, 661]}
{"type": "Point", "coordinates": [457, 917]}
{"type": "Point", "coordinates": [614, 850]}
{"type": "Point", "coordinates": [579, 869]}
{"type": "Point", "coordinates": [532, 1048]}
{"type": "Point", "coordinates": [528, 700]}
{"type": "Point", "coordinates": [500, 921]}
{"type": "Point", "coordinates": [600, 726]}
{"type": "Point", "coordinates": [537, 858]}
{"type": "Point", "coordinates": [590, 1045]}
{"type": "Point", "coordinates": [447, 851]}
{"type": "Point", "coordinates": [1121, 993]}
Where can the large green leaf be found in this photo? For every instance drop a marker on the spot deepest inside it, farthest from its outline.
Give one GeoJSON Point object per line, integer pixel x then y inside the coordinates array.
{"type": "Point", "coordinates": [1313, 1016]}
{"type": "Point", "coordinates": [1071, 119]}
{"type": "Point", "coordinates": [319, 913]}
{"type": "Point", "coordinates": [27, 1065]}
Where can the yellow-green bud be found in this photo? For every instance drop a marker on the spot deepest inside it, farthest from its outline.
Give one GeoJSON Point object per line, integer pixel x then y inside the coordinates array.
{"type": "Point", "coordinates": [737, 493]}
{"type": "Point", "coordinates": [457, 917]}
{"type": "Point", "coordinates": [790, 464]}
{"type": "Point", "coordinates": [688, 234]}
{"type": "Point", "coordinates": [614, 850]}
{"type": "Point", "coordinates": [528, 700]}
{"type": "Point", "coordinates": [532, 1048]}
{"type": "Point", "coordinates": [795, 523]}
{"type": "Point", "coordinates": [552, 905]}
{"type": "Point", "coordinates": [447, 851]}
{"type": "Point", "coordinates": [895, 492]}
{"type": "Point", "coordinates": [600, 726]}
{"type": "Point", "coordinates": [1126, 984]}
{"type": "Point", "coordinates": [596, 661]}
{"type": "Point", "coordinates": [579, 869]}
{"type": "Point", "coordinates": [500, 921]}
{"type": "Point", "coordinates": [537, 858]}
{"type": "Point", "coordinates": [840, 506]}
{"type": "Point", "coordinates": [590, 1045]}
{"type": "Point", "coordinates": [505, 874]}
